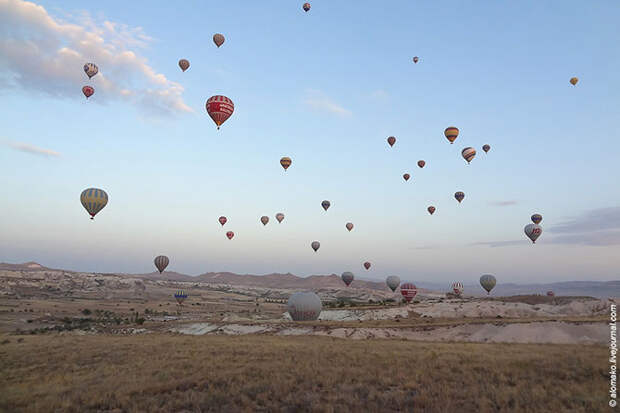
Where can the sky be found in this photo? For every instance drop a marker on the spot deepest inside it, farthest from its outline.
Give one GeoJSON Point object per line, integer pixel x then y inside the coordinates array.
{"type": "Point", "coordinates": [325, 88]}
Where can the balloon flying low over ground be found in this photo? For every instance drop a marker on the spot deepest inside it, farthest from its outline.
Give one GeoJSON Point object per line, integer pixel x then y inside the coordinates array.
{"type": "Point", "coordinates": [145, 138]}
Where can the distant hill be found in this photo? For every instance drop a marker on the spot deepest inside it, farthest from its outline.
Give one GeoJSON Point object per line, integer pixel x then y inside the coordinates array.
{"type": "Point", "coordinates": [287, 280]}
{"type": "Point", "coordinates": [27, 266]}
{"type": "Point", "coordinates": [599, 289]}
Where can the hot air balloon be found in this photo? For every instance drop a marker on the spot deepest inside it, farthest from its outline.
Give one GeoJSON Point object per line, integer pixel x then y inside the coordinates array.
{"type": "Point", "coordinates": [459, 196]}
{"type": "Point", "coordinates": [468, 154]}
{"type": "Point", "coordinates": [93, 200]}
{"type": "Point", "coordinates": [457, 287]}
{"type": "Point", "coordinates": [161, 262]}
{"type": "Point", "coordinates": [393, 282]}
{"type": "Point", "coordinates": [367, 265]}
{"type": "Point", "coordinates": [408, 291]}
{"type": "Point", "coordinates": [573, 81]}
{"type": "Point", "coordinates": [349, 226]}
{"type": "Point", "coordinates": [415, 59]}
{"type": "Point", "coordinates": [304, 306]}
{"type": "Point", "coordinates": [285, 162]}
{"type": "Point", "coordinates": [391, 140]}
{"type": "Point", "coordinates": [451, 133]}
{"type": "Point", "coordinates": [406, 177]}
{"type": "Point", "coordinates": [347, 277]}
{"type": "Point", "coordinates": [550, 294]}
{"type": "Point", "coordinates": [180, 296]}
{"type": "Point", "coordinates": [222, 220]}
{"type": "Point", "coordinates": [421, 163]}
{"type": "Point", "coordinates": [230, 234]}
{"type": "Point", "coordinates": [218, 39]}
{"type": "Point", "coordinates": [184, 64]}
{"type": "Point", "coordinates": [91, 69]}
{"type": "Point", "coordinates": [487, 282]}
{"type": "Point", "coordinates": [431, 210]}
{"type": "Point", "coordinates": [88, 91]}
{"type": "Point", "coordinates": [536, 218]}
{"type": "Point", "coordinates": [486, 148]}
{"type": "Point", "coordinates": [306, 7]}
{"type": "Point", "coordinates": [325, 204]}
{"type": "Point", "coordinates": [219, 108]}
{"type": "Point", "coordinates": [533, 231]}
{"type": "Point", "coordinates": [315, 245]}
{"type": "Point", "coordinates": [279, 217]}
{"type": "Point", "coordinates": [264, 219]}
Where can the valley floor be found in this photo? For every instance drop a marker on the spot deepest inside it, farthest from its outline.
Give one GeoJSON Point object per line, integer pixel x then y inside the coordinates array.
{"type": "Point", "coordinates": [172, 373]}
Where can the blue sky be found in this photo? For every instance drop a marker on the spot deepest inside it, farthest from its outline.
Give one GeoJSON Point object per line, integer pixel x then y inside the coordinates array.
{"type": "Point", "coordinates": [326, 88]}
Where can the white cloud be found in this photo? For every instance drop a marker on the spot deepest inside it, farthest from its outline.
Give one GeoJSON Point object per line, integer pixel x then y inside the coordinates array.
{"type": "Point", "coordinates": [319, 101]}
{"type": "Point", "coordinates": [26, 147]}
{"type": "Point", "coordinates": [43, 54]}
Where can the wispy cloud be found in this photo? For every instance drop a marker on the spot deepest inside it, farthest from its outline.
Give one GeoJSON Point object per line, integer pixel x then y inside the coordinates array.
{"type": "Point", "coordinates": [503, 203]}
{"type": "Point", "coordinates": [597, 227]}
{"type": "Point", "coordinates": [26, 147]}
{"type": "Point", "coordinates": [319, 101]}
{"type": "Point", "coordinates": [40, 53]}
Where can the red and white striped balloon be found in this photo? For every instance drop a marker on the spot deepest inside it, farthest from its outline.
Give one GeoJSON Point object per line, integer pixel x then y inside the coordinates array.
{"type": "Point", "coordinates": [219, 108]}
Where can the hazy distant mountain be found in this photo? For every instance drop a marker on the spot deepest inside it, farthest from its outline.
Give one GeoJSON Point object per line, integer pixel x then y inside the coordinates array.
{"type": "Point", "coordinates": [27, 266]}
{"type": "Point", "coordinates": [599, 289]}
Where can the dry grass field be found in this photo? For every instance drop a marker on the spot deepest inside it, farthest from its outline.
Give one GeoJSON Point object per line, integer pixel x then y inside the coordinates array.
{"type": "Point", "coordinates": [174, 373]}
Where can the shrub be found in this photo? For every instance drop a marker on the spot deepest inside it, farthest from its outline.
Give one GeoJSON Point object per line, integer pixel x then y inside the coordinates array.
{"type": "Point", "coordinates": [86, 311]}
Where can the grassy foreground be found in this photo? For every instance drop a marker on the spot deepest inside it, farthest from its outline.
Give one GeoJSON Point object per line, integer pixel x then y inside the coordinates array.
{"type": "Point", "coordinates": [169, 373]}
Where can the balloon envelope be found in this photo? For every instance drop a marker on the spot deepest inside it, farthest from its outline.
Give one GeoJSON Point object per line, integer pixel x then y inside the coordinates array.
{"type": "Point", "coordinates": [536, 218]}
{"type": "Point", "coordinates": [431, 210]}
{"type": "Point", "coordinates": [315, 245]}
{"type": "Point", "coordinates": [218, 39]}
{"type": "Point", "coordinates": [184, 64]}
{"type": "Point", "coordinates": [393, 282]}
{"type": "Point", "coordinates": [304, 306]}
{"type": "Point", "coordinates": [93, 200]}
{"type": "Point", "coordinates": [279, 217]}
{"type": "Point", "coordinates": [264, 219]}
{"type": "Point", "coordinates": [306, 7]}
{"type": "Point", "coordinates": [487, 282]}
{"type": "Point", "coordinates": [347, 277]}
{"type": "Point", "coordinates": [574, 80]}
{"type": "Point", "coordinates": [533, 231]}
{"type": "Point", "coordinates": [91, 69]}
{"type": "Point", "coordinates": [219, 108]}
{"type": "Point", "coordinates": [408, 291]}
{"type": "Point", "coordinates": [415, 59]}
{"type": "Point", "coordinates": [180, 296]}
{"type": "Point", "coordinates": [421, 163]}
{"type": "Point", "coordinates": [451, 133]}
{"type": "Point", "coordinates": [88, 91]}
{"type": "Point", "coordinates": [457, 287]}
{"type": "Point", "coordinates": [325, 204]}
{"type": "Point", "coordinates": [349, 226]}
{"type": "Point", "coordinates": [486, 148]}
{"type": "Point", "coordinates": [161, 262]}
{"type": "Point", "coordinates": [222, 220]}
{"type": "Point", "coordinates": [391, 140]}
{"type": "Point", "coordinates": [406, 177]}
{"type": "Point", "coordinates": [285, 162]}
{"type": "Point", "coordinates": [367, 265]}
{"type": "Point", "coordinates": [468, 154]}
{"type": "Point", "coordinates": [459, 196]}
{"type": "Point", "coordinates": [230, 235]}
